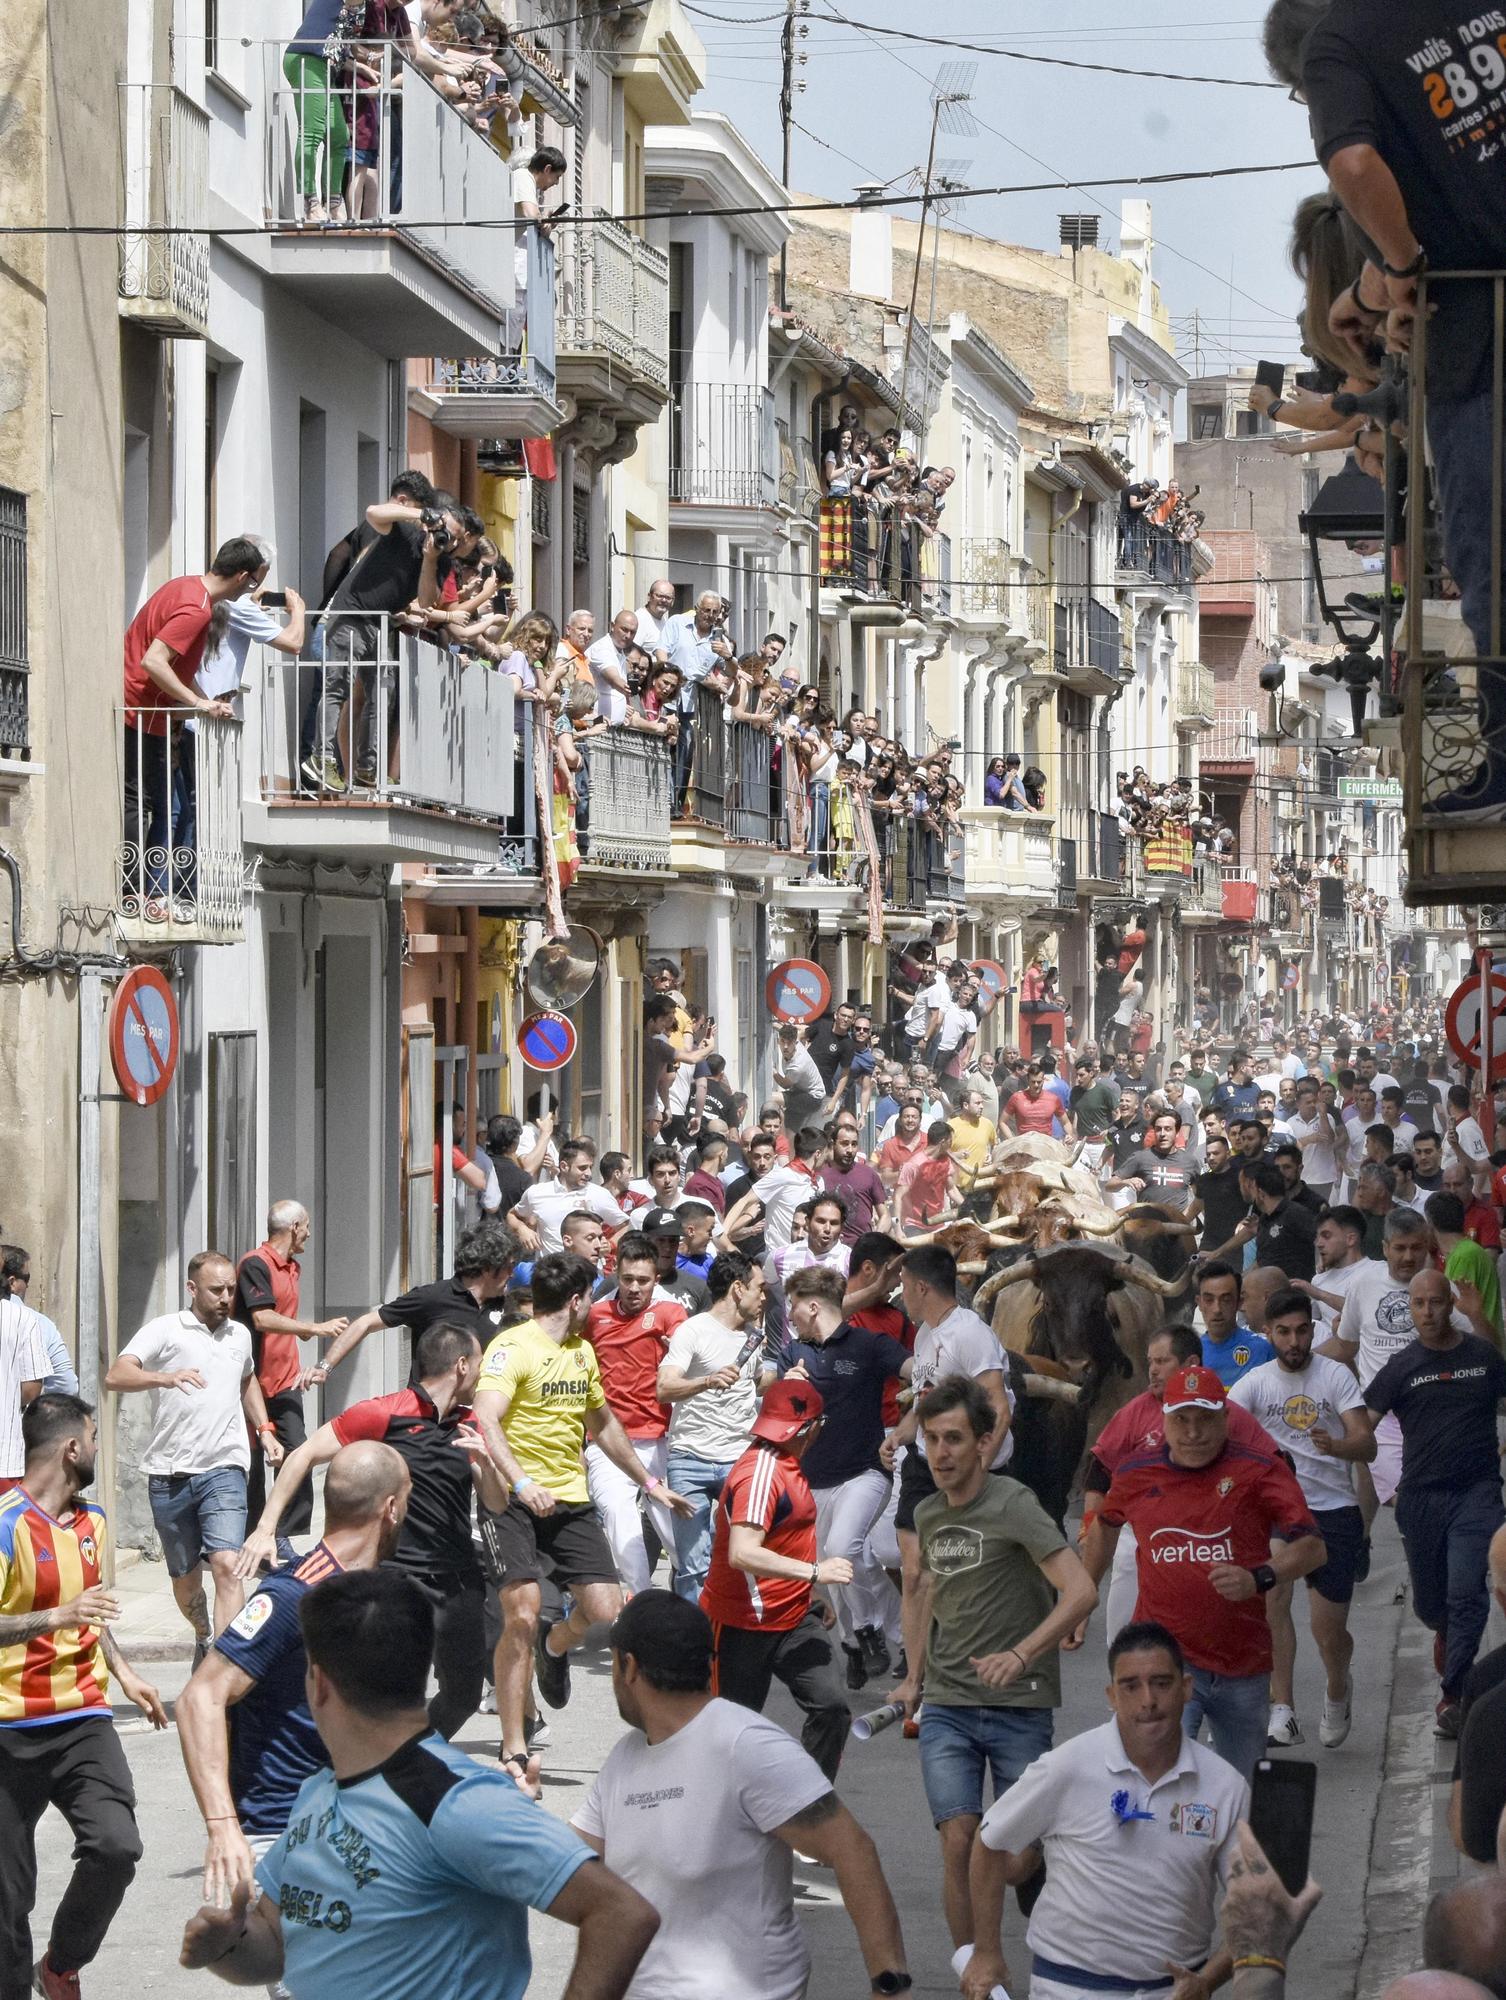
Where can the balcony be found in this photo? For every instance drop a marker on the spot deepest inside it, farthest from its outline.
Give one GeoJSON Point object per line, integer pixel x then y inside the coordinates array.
{"type": "Point", "coordinates": [1010, 856]}
{"type": "Point", "coordinates": [730, 791]}
{"type": "Point", "coordinates": [1150, 554]}
{"type": "Point", "coordinates": [1085, 647]}
{"type": "Point", "coordinates": [181, 866]}
{"type": "Point", "coordinates": [661, 60]}
{"type": "Point", "coordinates": [433, 745]}
{"type": "Point", "coordinates": [1037, 607]}
{"type": "Point", "coordinates": [985, 576]}
{"type": "Point", "coordinates": [1159, 869]}
{"type": "Point", "coordinates": [507, 395]}
{"type": "Point", "coordinates": [632, 784]}
{"type": "Point", "coordinates": [869, 557]}
{"type": "Point", "coordinates": [613, 343]}
{"type": "Point", "coordinates": [163, 281]}
{"type": "Point", "coordinates": [723, 447]}
{"type": "Point", "coordinates": [1205, 905]}
{"type": "Point", "coordinates": [431, 274]}
{"type": "Point", "coordinates": [1234, 738]}
{"type": "Point", "coordinates": [1239, 890]}
{"type": "Point", "coordinates": [1195, 707]}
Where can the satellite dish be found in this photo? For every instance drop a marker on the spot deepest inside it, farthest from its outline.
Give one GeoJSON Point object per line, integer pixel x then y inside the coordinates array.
{"type": "Point", "coordinates": [562, 969]}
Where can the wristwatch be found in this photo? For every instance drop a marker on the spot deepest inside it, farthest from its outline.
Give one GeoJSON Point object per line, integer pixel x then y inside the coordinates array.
{"type": "Point", "coordinates": [1412, 270]}
{"type": "Point", "coordinates": [1265, 1577]}
{"type": "Point", "coordinates": [892, 1982]}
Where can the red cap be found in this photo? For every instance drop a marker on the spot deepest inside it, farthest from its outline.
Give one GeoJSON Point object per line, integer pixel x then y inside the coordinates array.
{"type": "Point", "coordinates": [789, 1405]}
{"type": "Point", "coordinates": [1194, 1388]}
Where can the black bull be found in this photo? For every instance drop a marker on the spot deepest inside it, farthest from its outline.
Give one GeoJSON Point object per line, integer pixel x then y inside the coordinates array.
{"type": "Point", "coordinates": [1073, 1327]}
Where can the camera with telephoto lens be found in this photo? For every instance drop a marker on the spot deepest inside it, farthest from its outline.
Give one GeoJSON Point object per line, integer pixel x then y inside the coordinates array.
{"type": "Point", "coordinates": [438, 533]}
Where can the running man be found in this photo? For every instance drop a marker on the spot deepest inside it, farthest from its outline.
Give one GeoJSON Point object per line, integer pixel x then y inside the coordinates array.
{"type": "Point", "coordinates": [57, 1743]}
{"type": "Point", "coordinates": [1312, 1407]}
{"type": "Point", "coordinates": [538, 1399]}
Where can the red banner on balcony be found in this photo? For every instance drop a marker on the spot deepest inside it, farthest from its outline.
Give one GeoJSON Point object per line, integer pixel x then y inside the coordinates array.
{"type": "Point", "coordinates": [538, 456]}
{"type": "Point", "coordinates": [836, 537]}
{"type": "Point", "coordinates": [1169, 852]}
{"type": "Point", "coordinates": [1239, 902]}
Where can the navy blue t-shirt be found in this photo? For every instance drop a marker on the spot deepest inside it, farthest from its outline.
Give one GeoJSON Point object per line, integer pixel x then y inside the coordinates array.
{"type": "Point", "coordinates": [850, 1370]}
{"type": "Point", "coordinates": [274, 1745]}
{"type": "Point", "coordinates": [1445, 1400]}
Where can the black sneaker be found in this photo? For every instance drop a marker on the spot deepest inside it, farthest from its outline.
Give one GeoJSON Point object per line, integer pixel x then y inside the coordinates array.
{"type": "Point", "coordinates": [857, 1673]}
{"type": "Point", "coordinates": [875, 1651]}
{"type": "Point", "coordinates": [1448, 1718]}
{"type": "Point", "coordinates": [536, 1731]}
{"type": "Point", "coordinates": [551, 1670]}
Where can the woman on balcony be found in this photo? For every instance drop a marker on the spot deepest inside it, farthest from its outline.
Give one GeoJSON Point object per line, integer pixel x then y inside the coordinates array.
{"type": "Point", "coordinates": [323, 42]}
{"type": "Point", "coordinates": [818, 760]}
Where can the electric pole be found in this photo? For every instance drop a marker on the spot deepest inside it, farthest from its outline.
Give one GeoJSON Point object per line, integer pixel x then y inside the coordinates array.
{"type": "Point", "coordinates": [786, 121]}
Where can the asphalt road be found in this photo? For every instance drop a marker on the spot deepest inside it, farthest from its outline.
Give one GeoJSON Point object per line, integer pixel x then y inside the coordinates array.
{"type": "Point", "coordinates": [881, 1783]}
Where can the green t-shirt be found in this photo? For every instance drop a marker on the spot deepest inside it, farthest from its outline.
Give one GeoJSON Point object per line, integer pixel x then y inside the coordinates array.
{"type": "Point", "coordinates": [989, 1593]}
{"type": "Point", "coordinates": [1467, 1261]}
{"type": "Point", "coordinates": [1094, 1108]}
{"type": "Point", "coordinates": [1203, 1085]}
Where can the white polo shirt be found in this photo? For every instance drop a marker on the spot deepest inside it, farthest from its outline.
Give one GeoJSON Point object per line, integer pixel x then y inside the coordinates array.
{"type": "Point", "coordinates": [23, 1358]}
{"type": "Point", "coordinates": [1122, 1897]}
{"type": "Point", "coordinates": [195, 1430]}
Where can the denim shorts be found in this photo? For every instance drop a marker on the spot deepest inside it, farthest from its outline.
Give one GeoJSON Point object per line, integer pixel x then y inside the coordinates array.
{"type": "Point", "coordinates": [958, 1745]}
{"type": "Point", "coordinates": [197, 1514]}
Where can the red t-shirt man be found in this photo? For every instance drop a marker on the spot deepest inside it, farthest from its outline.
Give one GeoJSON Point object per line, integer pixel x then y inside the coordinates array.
{"type": "Point", "coordinates": [891, 1321]}
{"type": "Point", "coordinates": [1033, 1114]}
{"type": "Point", "coordinates": [266, 1281]}
{"type": "Point", "coordinates": [1189, 1521]}
{"type": "Point", "coordinates": [178, 615]}
{"type": "Point", "coordinates": [1482, 1225]}
{"type": "Point", "coordinates": [629, 1348]}
{"type": "Point", "coordinates": [897, 1152]}
{"type": "Point", "coordinates": [767, 1490]}
{"type": "Point", "coordinates": [1140, 1427]}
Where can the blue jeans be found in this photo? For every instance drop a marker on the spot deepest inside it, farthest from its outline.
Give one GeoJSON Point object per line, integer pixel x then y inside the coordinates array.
{"type": "Point", "coordinates": [957, 1746]}
{"type": "Point", "coordinates": [1447, 1536]}
{"type": "Point", "coordinates": [197, 1513]}
{"type": "Point", "coordinates": [819, 841]}
{"type": "Point", "coordinates": [1237, 1709]}
{"type": "Point", "coordinates": [700, 1480]}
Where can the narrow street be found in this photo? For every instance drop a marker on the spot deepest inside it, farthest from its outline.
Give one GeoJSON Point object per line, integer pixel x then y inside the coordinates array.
{"type": "Point", "coordinates": [1379, 1843]}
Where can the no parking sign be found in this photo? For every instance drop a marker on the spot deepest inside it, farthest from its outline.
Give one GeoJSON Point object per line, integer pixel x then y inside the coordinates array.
{"type": "Point", "coordinates": [546, 1041]}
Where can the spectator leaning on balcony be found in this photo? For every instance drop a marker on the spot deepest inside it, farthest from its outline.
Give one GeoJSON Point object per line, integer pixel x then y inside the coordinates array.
{"type": "Point", "coordinates": [234, 626]}
{"type": "Point", "coordinates": [655, 619]}
{"type": "Point", "coordinates": [164, 644]}
{"type": "Point", "coordinates": [607, 662]}
{"type": "Point", "coordinates": [397, 568]}
{"type": "Point", "coordinates": [545, 170]}
{"type": "Point", "coordinates": [698, 646]}
{"type": "Point", "coordinates": [1396, 133]}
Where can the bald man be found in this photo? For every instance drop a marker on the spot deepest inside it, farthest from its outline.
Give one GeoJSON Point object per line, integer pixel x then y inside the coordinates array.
{"type": "Point", "coordinates": [246, 1767]}
{"type": "Point", "coordinates": [1256, 1292]}
{"type": "Point", "coordinates": [1478, 1798]}
{"type": "Point", "coordinates": [1446, 1388]}
{"type": "Point", "coordinates": [1464, 1932]}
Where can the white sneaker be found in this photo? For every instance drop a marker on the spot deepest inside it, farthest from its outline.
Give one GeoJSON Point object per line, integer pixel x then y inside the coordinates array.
{"type": "Point", "coordinates": [1283, 1729]}
{"type": "Point", "coordinates": [488, 1701]}
{"type": "Point", "coordinates": [1336, 1718]}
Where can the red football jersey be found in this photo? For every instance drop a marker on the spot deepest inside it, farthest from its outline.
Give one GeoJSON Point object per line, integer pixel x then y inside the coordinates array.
{"type": "Point", "coordinates": [1186, 1522]}
{"type": "Point", "coordinates": [628, 1352]}
{"type": "Point", "coordinates": [765, 1489]}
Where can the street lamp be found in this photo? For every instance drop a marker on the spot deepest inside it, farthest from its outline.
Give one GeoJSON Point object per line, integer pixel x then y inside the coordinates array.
{"type": "Point", "coordinates": [1347, 509]}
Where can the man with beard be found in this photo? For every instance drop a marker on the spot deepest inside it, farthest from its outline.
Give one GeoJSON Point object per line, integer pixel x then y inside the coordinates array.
{"type": "Point", "coordinates": [244, 1726]}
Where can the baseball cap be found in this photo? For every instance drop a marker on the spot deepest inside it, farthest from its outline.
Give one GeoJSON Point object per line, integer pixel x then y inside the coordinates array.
{"type": "Point", "coordinates": [788, 1406]}
{"type": "Point", "coordinates": [1194, 1388]}
{"type": "Point", "coordinates": [660, 1222]}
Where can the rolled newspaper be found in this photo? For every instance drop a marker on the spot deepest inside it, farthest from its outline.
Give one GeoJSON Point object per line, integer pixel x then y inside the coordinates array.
{"type": "Point", "coordinates": [961, 1958]}
{"type": "Point", "coordinates": [877, 1719]}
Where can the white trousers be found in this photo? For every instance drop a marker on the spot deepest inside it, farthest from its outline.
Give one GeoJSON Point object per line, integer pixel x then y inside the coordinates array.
{"type": "Point", "coordinates": [844, 1515]}
{"type": "Point", "coordinates": [1124, 1586]}
{"type": "Point", "coordinates": [621, 1503]}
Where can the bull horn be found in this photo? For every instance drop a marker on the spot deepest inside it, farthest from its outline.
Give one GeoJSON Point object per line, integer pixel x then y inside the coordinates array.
{"type": "Point", "coordinates": [1077, 1152]}
{"type": "Point", "coordinates": [1099, 1228]}
{"type": "Point", "coordinates": [1146, 1216]}
{"type": "Point", "coordinates": [1141, 1274]}
{"type": "Point", "coordinates": [971, 1270]}
{"type": "Point", "coordinates": [997, 1225]}
{"type": "Point", "coordinates": [1048, 1386]}
{"type": "Point", "coordinates": [1012, 1274]}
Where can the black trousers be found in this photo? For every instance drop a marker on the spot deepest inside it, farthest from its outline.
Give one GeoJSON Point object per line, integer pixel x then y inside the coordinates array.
{"type": "Point", "coordinates": [748, 1662]}
{"type": "Point", "coordinates": [79, 1767]}
{"type": "Point", "coordinates": [460, 1652]}
{"type": "Point", "coordinates": [285, 1414]}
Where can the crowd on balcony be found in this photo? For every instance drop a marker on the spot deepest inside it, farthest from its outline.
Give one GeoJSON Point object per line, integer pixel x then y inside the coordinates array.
{"type": "Point", "coordinates": [1013, 785]}
{"type": "Point", "coordinates": [879, 505]}
{"type": "Point", "coordinates": [345, 67]}
{"type": "Point", "coordinates": [1153, 517]}
{"type": "Point", "coordinates": [1173, 812]}
{"type": "Point", "coordinates": [1304, 877]}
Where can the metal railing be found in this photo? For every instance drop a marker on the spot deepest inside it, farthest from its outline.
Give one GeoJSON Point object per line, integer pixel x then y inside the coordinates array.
{"type": "Point", "coordinates": [614, 297]}
{"type": "Point", "coordinates": [723, 447]}
{"type": "Point", "coordinates": [448, 169]}
{"type": "Point", "coordinates": [1104, 649]}
{"type": "Point", "coordinates": [752, 806]}
{"type": "Point", "coordinates": [1195, 691]}
{"type": "Point", "coordinates": [1069, 635]}
{"type": "Point", "coordinates": [15, 659]}
{"type": "Point", "coordinates": [1207, 887]}
{"type": "Point", "coordinates": [372, 715]}
{"type": "Point", "coordinates": [1234, 738]}
{"type": "Point", "coordinates": [181, 862]}
{"type": "Point", "coordinates": [1037, 604]}
{"type": "Point", "coordinates": [1066, 869]}
{"type": "Point", "coordinates": [526, 367]}
{"type": "Point", "coordinates": [1152, 550]}
{"type": "Point", "coordinates": [632, 783]}
{"type": "Point", "coordinates": [705, 796]}
{"type": "Point", "coordinates": [986, 572]}
{"type": "Point", "coordinates": [936, 574]}
{"type": "Point", "coordinates": [868, 550]}
{"type": "Point", "coordinates": [163, 280]}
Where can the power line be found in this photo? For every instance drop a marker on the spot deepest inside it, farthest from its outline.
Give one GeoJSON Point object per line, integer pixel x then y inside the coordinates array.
{"type": "Point", "coordinates": [1057, 62]}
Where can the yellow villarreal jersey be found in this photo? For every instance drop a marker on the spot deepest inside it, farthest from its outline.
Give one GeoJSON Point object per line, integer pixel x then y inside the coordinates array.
{"type": "Point", "coordinates": [549, 1386]}
{"type": "Point", "coordinates": [44, 1563]}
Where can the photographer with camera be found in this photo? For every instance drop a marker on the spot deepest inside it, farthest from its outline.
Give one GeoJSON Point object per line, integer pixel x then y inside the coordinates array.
{"type": "Point", "coordinates": [398, 567]}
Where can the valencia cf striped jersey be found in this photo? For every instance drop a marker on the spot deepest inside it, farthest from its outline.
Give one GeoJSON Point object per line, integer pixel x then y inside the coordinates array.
{"type": "Point", "coordinates": [44, 1563]}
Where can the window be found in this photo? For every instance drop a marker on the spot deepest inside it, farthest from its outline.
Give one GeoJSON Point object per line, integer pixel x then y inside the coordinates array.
{"type": "Point", "coordinates": [1250, 423]}
{"type": "Point", "coordinates": [14, 730]}
{"type": "Point", "coordinates": [1206, 420]}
